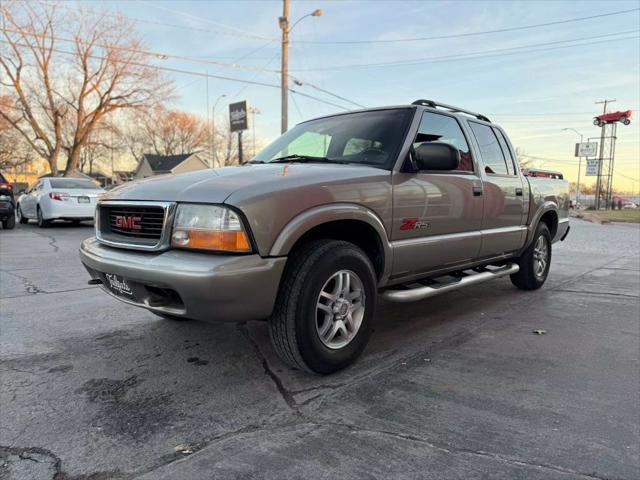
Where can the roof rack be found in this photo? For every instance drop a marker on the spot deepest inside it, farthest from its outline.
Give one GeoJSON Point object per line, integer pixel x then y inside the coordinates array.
{"type": "Point", "coordinates": [432, 104]}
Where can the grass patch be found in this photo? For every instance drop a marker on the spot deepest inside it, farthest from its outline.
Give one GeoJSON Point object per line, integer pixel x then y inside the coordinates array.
{"type": "Point", "coordinates": [628, 215]}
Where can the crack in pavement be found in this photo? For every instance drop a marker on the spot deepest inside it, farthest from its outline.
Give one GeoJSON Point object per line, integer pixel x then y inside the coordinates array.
{"type": "Point", "coordinates": [445, 448]}
{"type": "Point", "coordinates": [30, 287]}
{"type": "Point", "coordinates": [286, 395]}
{"type": "Point", "coordinates": [587, 292]}
{"type": "Point", "coordinates": [52, 241]}
{"type": "Point", "coordinates": [45, 292]}
{"type": "Point", "coordinates": [24, 453]}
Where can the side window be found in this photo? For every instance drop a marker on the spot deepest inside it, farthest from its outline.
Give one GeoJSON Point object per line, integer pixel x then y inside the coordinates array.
{"type": "Point", "coordinates": [490, 150]}
{"type": "Point", "coordinates": [443, 128]}
{"type": "Point", "coordinates": [309, 143]}
{"type": "Point", "coordinates": [511, 163]}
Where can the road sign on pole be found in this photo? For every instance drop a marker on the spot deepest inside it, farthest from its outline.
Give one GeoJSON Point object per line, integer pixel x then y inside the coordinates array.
{"type": "Point", "coordinates": [238, 116]}
{"type": "Point", "coordinates": [593, 167]}
{"type": "Point", "coordinates": [586, 149]}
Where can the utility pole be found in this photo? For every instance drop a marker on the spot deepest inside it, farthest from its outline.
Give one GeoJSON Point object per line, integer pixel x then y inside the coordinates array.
{"type": "Point", "coordinates": [284, 72]}
{"type": "Point", "coordinates": [213, 130]}
{"type": "Point", "coordinates": [601, 159]}
{"type": "Point", "coordinates": [284, 78]}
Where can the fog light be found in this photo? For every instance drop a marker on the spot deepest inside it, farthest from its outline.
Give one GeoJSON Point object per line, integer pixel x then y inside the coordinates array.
{"type": "Point", "coordinates": [180, 238]}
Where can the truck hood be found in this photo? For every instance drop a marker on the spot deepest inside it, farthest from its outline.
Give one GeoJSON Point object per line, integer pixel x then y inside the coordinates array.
{"type": "Point", "coordinates": [217, 185]}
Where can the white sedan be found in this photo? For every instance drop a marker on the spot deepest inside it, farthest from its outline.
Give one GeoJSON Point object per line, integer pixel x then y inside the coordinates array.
{"type": "Point", "coordinates": [64, 198]}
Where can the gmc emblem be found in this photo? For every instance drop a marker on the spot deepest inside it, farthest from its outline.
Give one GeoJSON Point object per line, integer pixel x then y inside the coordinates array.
{"type": "Point", "coordinates": [128, 222]}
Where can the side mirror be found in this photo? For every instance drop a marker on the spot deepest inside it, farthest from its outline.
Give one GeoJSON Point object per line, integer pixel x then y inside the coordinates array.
{"type": "Point", "coordinates": [437, 156]}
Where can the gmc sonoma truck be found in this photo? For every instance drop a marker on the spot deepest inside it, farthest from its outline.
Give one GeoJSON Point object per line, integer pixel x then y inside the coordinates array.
{"type": "Point", "coordinates": [400, 202]}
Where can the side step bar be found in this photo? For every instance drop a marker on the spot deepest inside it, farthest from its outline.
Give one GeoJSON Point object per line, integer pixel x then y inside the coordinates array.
{"type": "Point", "coordinates": [465, 280]}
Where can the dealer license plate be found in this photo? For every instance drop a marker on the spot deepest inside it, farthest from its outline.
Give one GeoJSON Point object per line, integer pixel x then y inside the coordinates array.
{"type": "Point", "coordinates": [119, 286]}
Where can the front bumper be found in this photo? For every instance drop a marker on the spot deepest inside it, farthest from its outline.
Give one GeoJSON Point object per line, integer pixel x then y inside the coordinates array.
{"type": "Point", "coordinates": [194, 285]}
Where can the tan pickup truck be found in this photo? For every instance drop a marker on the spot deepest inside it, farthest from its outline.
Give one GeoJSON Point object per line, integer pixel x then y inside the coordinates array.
{"type": "Point", "coordinates": [401, 202]}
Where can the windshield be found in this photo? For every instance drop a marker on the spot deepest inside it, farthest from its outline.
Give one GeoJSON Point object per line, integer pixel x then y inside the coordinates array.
{"type": "Point", "coordinates": [73, 183]}
{"type": "Point", "coordinates": [372, 138]}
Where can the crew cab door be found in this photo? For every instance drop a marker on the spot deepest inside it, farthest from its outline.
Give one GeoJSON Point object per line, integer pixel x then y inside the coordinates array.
{"type": "Point", "coordinates": [437, 215]}
{"type": "Point", "coordinates": [503, 192]}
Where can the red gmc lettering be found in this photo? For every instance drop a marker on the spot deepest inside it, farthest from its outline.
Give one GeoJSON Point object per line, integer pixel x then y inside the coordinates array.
{"type": "Point", "coordinates": [130, 223]}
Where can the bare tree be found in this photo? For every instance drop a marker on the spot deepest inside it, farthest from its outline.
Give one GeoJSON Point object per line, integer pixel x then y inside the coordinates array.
{"type": "Point", "coordinates": [69, 72]}
{"type": "Point", "coordinates": [171, 132]}
{"type": "Point", "coordinates": [14, 150]}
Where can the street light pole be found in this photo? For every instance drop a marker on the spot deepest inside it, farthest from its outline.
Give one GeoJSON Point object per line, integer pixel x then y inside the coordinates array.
{"type": "Point", "coordinates": [213, 130]}
{"type": "Point", "coordinates": [284, 72]}
{"type": "Point", "coordinates": [579, 165]}
{"type": "Point", "coordinates": [253, 111]}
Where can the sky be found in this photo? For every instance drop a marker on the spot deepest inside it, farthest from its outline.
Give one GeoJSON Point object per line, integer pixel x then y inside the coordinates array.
{"type": "Point", "coordinates": [532, 81]}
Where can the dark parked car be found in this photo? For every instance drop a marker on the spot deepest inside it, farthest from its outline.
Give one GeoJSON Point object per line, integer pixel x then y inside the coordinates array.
{"type": "Point", "coordinates": [7, 204]}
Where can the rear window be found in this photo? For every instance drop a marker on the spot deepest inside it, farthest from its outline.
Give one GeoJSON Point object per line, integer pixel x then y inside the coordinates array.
{"type": "Point", "coordinates": [2, 179]}
{"type": "Point", "coordinates": [72, 183]}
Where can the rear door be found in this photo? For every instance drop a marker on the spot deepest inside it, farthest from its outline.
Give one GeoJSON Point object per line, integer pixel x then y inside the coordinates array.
{"type": "Point", "coordinates": [502, 228]}
{"type": "Point", "coordinates": [437, 216]}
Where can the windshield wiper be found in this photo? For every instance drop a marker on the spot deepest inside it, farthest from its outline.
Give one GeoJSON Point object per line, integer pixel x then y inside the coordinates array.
{"type": "Point", "coordinates": [300, 159]}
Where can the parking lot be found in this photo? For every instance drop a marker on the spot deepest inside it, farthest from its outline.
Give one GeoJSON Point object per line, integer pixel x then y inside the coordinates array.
{"type": "Point", "coordinates": [455, 387]}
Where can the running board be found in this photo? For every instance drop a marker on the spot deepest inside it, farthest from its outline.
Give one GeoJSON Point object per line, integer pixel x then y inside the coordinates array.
{"type": "Point", "coordinates": [464, 280]}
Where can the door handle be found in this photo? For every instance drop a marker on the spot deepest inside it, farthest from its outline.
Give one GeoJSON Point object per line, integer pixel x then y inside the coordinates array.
{"type": "Point", "coordinates": [477, 191]}
{"type": "Point", "coordinates": [518, 192]}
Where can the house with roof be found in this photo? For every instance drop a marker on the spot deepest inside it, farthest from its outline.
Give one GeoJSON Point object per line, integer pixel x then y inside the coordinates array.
{"type": "Point", "coordinates": [152, 164]}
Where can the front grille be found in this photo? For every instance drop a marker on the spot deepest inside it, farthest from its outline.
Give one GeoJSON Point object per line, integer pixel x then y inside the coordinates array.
{"type": "Point", "coordinates": [132, 225]}
{"type": "Point", "coordinates": [150, 221]}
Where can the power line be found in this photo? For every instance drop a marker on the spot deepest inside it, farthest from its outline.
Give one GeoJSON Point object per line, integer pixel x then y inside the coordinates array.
{"type": "Point", "coordinates": [164, 56]}
{"type": "Point", "coordinates": [200, 74]}
{"type": "Point", "coordinates": [469, 34]}
{"type": "Point", "coordinates": [234, 33]}
{"type": "Point", "coordinates": [478, 54]}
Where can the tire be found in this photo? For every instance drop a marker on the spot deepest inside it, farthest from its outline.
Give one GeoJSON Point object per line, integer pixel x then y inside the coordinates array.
{"type": "Point", "coordinates": [532, 274]}
{"type": "Point", "coordinates": [21, 218]}
{"type": "Point", "coordinates": [317, 326]}
{"type": "Point", "coordinates": [626, 121]}
{"type": "Point", "coordinates": [9, 223]}
{"type": "Point", "coordinates": [42, 223]}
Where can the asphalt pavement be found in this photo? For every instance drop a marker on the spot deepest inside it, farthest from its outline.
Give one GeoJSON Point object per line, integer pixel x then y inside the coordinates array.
{"type": "Point", "coordinates": [454, 387]}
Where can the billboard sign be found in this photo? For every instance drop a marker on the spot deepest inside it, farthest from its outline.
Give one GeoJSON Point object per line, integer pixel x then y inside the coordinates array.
{"type": "Point", "coordinates": [586, 149]}
{"type": "Point", "coordinates": [593, 165]}
{"type": "Point", "coordinates": [238, 116]}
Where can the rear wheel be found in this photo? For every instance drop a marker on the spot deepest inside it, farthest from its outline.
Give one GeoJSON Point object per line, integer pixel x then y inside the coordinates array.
{"type": "Point", "coordinates": [42, 223]}
{"type": "Point", "coordinates": [324, 311]}
{"type": "Point", "coordinates": [9, 223]}
{"type": "Point", "coordinates": [21, 218]}
{"type": "Point", "coordinates": [535, 261]}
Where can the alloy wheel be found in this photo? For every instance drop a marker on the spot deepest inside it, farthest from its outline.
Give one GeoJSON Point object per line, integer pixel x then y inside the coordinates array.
{"type": "Point", "coordinates": [340, 309]}
{"type": "Point", "coordinates": [540, 257]}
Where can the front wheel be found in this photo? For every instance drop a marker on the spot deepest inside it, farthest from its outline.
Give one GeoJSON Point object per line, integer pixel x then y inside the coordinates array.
{"type": "Point", "coordinates": [324, 311]}
{"type": "Point", "coordinates": [535, 261]}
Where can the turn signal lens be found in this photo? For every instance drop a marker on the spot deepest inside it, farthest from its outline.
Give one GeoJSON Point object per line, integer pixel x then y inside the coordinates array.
{"type": "Point", "coordinates": [209, 227]}
{"type": "Point", "coordinates": [210, 240]}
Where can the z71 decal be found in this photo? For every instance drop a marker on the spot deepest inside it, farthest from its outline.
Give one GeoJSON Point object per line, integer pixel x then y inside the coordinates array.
{"type": "Point", "coordinates": [413, 224]}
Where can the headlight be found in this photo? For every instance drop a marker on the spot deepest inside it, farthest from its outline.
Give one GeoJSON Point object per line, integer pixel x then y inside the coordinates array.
{"type": "Point", "coordinates": [209, 227]}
